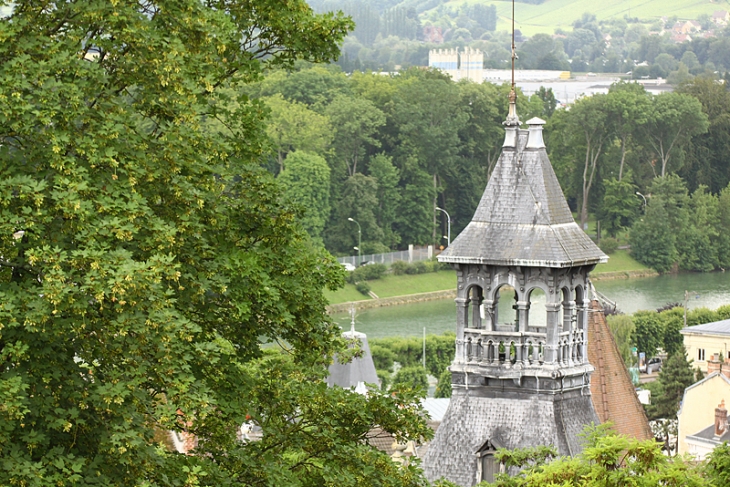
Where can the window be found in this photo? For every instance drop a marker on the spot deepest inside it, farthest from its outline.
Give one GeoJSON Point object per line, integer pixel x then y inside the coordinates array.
{"type": "Point", "coordinates": [700, 354]}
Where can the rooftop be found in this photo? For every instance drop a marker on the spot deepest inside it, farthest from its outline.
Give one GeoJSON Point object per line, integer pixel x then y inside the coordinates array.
{"type": "Point", "coordinates": [721, 328]}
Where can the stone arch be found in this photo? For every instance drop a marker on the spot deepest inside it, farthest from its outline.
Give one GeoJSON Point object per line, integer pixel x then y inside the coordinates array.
{"type": "Point", "coordinates": [474, 296]}
{"type": "Point", "coordinates": [503, 306]}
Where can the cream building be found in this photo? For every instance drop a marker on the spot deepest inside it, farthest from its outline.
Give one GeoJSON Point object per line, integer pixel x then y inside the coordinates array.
{"type": "Point", "coordinates": [697, 413]}
{"type": "Point", "coordinates": [704, 341]}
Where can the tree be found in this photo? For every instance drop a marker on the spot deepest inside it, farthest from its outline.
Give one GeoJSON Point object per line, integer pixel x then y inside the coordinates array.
{"type": "Point", "coordinates": [359, 202]}
{"type": "Point", "coordinates": [588, 117]}
{"type": "Point", "coordinates": [652, 240]}
{"type": "Point", "coordinates": [386, 174]}
{"type": "Point", "coordinates": [620, 206]}
{"type": "Point", "coordinates": [648, 332]}
{"type": "Point", "coordinates": [414, 377]}
{"type": "Point", "coordinates": [607, 459]}
{"type": "Point", "coordinates": [355, 122]}
{"type": "Point", "coordinates": [443, 388]}
{"type": "Point", "coordinates": [145, 254]}
{"type": "Point", "coordinates": [627, 105]}
{"type": "Point", "coordinates": [674, 378]}
{"type": "Point", "coordinates": [674, 118]}
{"type": "Point", "coordinates": [293, 126]}
{"type": "Point", "coordinates": [306, 181]}
{"type": "Point", "coordinates": [622, 328]}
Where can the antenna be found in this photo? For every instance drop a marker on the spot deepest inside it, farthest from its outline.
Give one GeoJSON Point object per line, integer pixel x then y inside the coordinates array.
{"type": "Point", "coordinates": [512, 119]}
{"type": "Point", "coordinates": [514, 54]}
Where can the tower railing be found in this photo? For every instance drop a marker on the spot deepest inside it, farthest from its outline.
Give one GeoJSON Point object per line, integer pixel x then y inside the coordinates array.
{"type": "Point", "coordinates": [500, 348]}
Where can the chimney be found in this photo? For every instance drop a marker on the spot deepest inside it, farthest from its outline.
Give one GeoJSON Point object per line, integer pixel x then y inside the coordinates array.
{"type": "Point", "coordinates": [720, 419]}
{"type": "Point", "coordinates": [713, 366]}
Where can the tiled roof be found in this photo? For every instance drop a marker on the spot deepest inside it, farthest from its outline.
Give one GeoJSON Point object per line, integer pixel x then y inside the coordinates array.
{"type": "Point", "coordinates": [523, 218]}
{"type": "Point", "coordinates": [707, 435]}
{"type": "Point", "coordinates": [715, 328]}
{"type": "Point", "coordinates": [613, 393]}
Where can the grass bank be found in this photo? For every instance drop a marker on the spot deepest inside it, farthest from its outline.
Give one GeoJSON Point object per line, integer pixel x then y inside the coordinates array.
{"type": "Point", "coordinates": [620, 265]}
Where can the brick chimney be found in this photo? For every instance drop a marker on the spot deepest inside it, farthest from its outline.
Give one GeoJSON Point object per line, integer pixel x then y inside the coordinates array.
{"type": "Point", "coordinates": [713, 365]}
{"type": "Point", "coordinates": [720, 419]}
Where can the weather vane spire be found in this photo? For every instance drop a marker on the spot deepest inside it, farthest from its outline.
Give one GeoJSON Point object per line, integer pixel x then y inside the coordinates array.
{"type": "Point", "coordinates": [512, 118]}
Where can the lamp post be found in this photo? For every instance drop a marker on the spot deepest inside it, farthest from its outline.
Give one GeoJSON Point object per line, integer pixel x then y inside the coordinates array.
{"type": "Point", "coordinates": [644, 198]}
{"type": "Point", "coordinates": [359, 238]}
{"type": "Point", "coordinates": [448, 219]}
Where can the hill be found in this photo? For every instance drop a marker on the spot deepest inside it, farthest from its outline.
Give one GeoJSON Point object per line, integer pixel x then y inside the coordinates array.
{"type": "Point", "coordinates": [553, 14]}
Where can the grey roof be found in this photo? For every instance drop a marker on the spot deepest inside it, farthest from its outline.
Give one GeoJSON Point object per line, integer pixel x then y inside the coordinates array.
{"type": "Point", "coordinates": [715, 328]}
{"type": "Point", "coordinates": [528, 421]}
{"type": "Point", "coordinates": [523, 218]}
{"type": "Point", "coordinates": [360, 370]}
{"type": "Point", "coordinates": [436, 407]}
{"type": "Point", "coordinates": [707, 435]}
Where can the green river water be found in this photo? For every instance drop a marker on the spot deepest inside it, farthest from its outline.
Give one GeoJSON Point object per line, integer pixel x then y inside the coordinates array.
{"type": "Point", "coordinates": [709, 290]}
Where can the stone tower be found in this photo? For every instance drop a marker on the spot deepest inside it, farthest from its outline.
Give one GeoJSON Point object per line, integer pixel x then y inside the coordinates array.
{"type": "Point", "coordinates": [525, 382]}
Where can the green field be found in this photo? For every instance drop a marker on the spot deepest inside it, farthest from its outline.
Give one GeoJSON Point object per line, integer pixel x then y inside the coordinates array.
{"type": "Point", "coordinates": [391, 286]}
{"type": "Point", "coordinates": [553, 14]}
{"type": "Point", "coordinates": [620, 261]}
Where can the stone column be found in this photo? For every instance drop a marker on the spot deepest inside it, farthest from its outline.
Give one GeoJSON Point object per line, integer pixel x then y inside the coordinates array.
{"type": "Point", "coordinates": [490, 316]}
{"type": "Point", "coordinates": [476, 301]}
{"type": "Point", "coordinates": [581, 313]}
{"type": "Point", "coordinates": [462, 315]}
{"type": "Point", "coordinates": [569, 325]}
{"type": "Point", "coordinates": [553, 333]}
{"type": "Point", "coordinates": [523, 315]}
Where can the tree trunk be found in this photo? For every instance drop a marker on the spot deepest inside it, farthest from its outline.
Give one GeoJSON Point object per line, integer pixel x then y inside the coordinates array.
{"type": "Point", "coordinates": [623, 157]}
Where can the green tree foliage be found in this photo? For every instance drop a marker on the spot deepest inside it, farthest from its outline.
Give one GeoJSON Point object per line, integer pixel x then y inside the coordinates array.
{"type": "Point", "coordinates": [145, 254]}
{"type": "Point", "coordinates": [718, 466]}
{"type": "Point", "coordinates": [622, 329]}
{"type": "Point", "coordinates": [359, 202]}
{"type": "Point", "coordinates": [648, 332]}
{"type": "Point", "coordinates": [409, 352]}
{"type": "Point", "coordinates": [411, 378]}
{"type": "Point", "coordinates": [608, 459]}
{"type": "Point", "coordinates": [306, 181]}
{"type": "Point", "coordinates": [673, 120]}
{"type": "Point", "coordinates": [381, 168]}
{"type": "Point", "coordinates": [292, 126]}
{"type": "Point", "coordinates": [443, 388]}
{"type": "Point", "coordinates": [652, 240]}
{"type": "Point", "coordinates": [355, 122]}
{"type": "Point", "coordinates": [676, 375]}
{"type": "Point", "coordinates": [673, 322]}
{"type": "Point", "coordinates": [620, 206]}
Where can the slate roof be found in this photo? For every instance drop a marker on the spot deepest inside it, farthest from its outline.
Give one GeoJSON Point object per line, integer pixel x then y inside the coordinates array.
{"type": "Point", "coordinates": [707, 435]}
{"type": "Point", "coordinates": [715, 328]}
{"type": "Point", "coordinates": [528, 421]}
{"type": "Point", "coordinates": [523, 218]}
{"type": "Point", "coordinates": [360, 370]}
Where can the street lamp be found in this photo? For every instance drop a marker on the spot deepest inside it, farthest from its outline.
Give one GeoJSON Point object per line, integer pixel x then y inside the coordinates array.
{"type": "Point", "coordinates": [448, 218]}
{"type": "Point", "coordinates": [644, 198]}
{"type": "Point", "coordinates": [359, 238]}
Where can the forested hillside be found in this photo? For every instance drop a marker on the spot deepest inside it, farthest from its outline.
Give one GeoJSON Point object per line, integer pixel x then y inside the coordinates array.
{"type": "Point", "coordinates": [572, 35]}
{"type": "Point", "coordinates": [384, 151]}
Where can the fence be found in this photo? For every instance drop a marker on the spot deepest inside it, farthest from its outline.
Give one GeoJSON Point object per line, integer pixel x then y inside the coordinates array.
{"type": "Point", "coordinates": [413, 254]}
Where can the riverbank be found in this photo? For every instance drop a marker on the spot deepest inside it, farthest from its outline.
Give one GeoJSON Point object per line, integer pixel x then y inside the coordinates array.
{"type": "Point", "coordinates": [395, 290]}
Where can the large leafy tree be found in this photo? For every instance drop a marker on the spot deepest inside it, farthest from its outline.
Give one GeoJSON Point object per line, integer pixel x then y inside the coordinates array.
{"type": "Point", "coordinates": [144, 256]}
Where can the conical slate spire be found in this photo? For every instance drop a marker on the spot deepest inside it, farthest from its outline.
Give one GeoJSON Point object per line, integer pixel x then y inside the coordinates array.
{"type": "Point", "coordinates": [523, 218]}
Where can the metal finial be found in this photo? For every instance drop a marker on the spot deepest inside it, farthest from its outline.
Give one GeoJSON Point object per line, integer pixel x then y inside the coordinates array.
{"type": "Point", "coordinates": [512, 118]}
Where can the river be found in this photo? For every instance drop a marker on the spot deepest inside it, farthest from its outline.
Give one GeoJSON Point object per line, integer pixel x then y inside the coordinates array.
{"type": "Point", "coordinates": [709, 290]}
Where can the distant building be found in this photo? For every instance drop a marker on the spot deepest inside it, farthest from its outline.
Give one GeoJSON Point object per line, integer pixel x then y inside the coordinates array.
{"type": "Point", "coordinates": [466, 64]}
{"type": "Point", "coordinates": [720, 17]}
{"type": "Point", "coordinates": [703, 342]}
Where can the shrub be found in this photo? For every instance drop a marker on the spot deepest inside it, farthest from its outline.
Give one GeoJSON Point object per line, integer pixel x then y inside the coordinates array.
{"type": "Point", "coordinates": [367, 273]}
{"type": "Point", "coordinates": [384, 377]}
{"type": "Point", "coordinates": [412, 378]}
{"type": "Point", "coordinates": [609, 245]}
{"type": "Point", "coordinates": [363, 288]}
{"type": "Point", "coordinates": [383, 357]}
{"type": "Point", "coordinates": [443, 388]}
{"type": "Point", "coordinates": [399, 267]}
